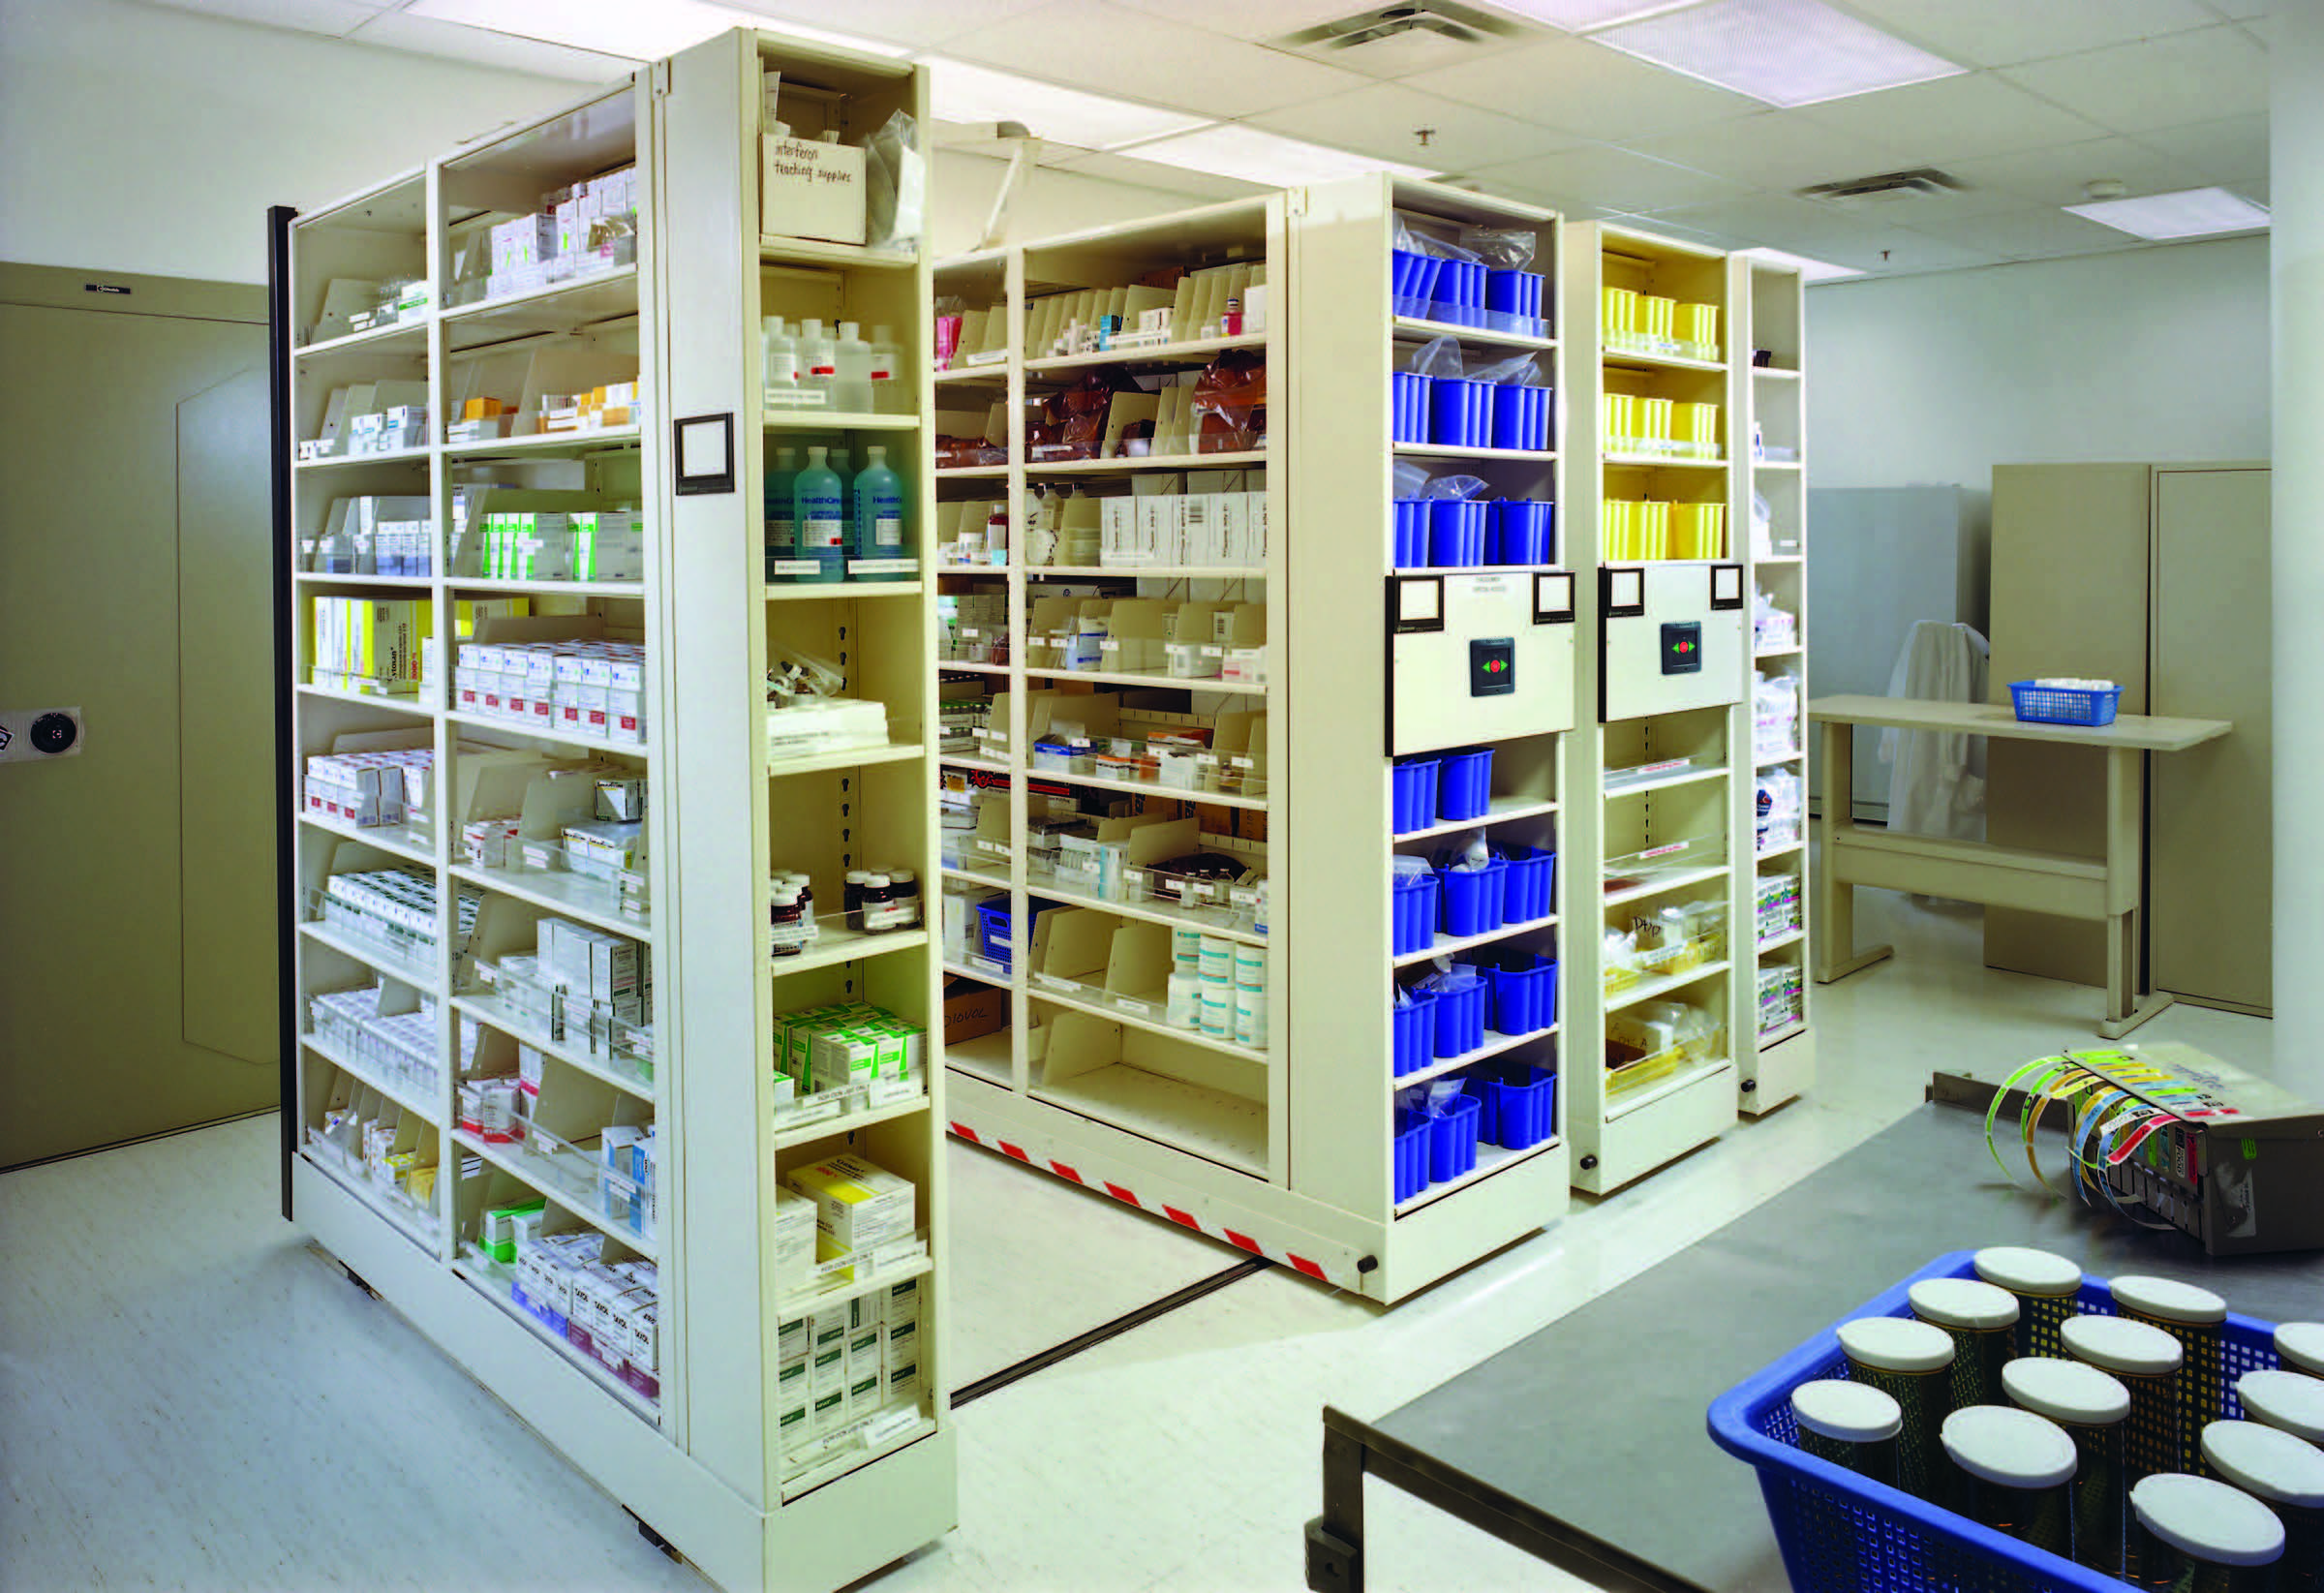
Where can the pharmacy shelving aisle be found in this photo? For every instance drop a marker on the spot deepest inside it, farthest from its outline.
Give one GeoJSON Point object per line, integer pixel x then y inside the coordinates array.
{"type": "Point", "coordinates": [539, 1108]}
{"type": "Point", "coordinates": [1774, 1004]}
{"type": "Point", "coordinates": [1657, 979]}
{"type": "Point", "coordinates": [1129, 1009]}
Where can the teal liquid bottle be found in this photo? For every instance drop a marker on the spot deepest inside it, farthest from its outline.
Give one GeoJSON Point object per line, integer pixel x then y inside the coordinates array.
{"type": "Point", "coordinates": [820, 510]}
{"type": "Point", "coordinates": [879, 517]}
{"type": "Point", "coordinates": [782, 521]}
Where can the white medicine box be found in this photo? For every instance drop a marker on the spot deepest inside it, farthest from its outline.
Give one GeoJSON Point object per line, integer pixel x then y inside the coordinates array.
{"type": "Point", "coordinates": [811, 190]}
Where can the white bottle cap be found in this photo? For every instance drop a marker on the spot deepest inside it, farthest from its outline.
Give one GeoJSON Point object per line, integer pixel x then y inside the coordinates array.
{"type": "Point", "coordinates": [2300, 1346]}
{"type": "Point", "coordinates": [876, 453]}
{"type": "Point", "coordinates": [811, 326]}
{"type": "Point", "coordinates": [2011, 1447]}
{"type": "Point", "coordinates": [2026, 1272]}
{"type": "Point", "coordinates": [786, 895]}
{"type": "Point", "coordinates": [1856, 1413]}
{"type": "Point", "coordinates": [876, 881]}
{"type": "Point", "coordinates": [848, 332]}
{"type": "Point", "coordinates": [1962, 1303]}
{"type": "Point", "coordinates": [2065, 1391]}
{"type": "Point", "coordinates": [857, 877]}
{"type": "Point", "coordinates": [903, 876]}
{"type": "Point", "coordinates": [1896, 1345]}
{"type": "Point", "coordinates": [815, 457]}
{"type": "Point", "coordinates": [883, 334]}
{"type": "Point", "coordinates": [2120, 1346]}
{"type": "Point", "coordinates": [2286, 1400]}
{"type": "Point", "coordinates": [2265, 1462]}
{"type": "Point", "coordinates": [2169, 1300]}
{"type": "Point", "coordinates": [2207, 1519]}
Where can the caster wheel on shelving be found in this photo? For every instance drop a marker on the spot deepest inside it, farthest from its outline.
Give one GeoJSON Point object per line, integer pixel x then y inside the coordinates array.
{"type": "Point", "coordinates": [357, 1278]}
{"type": "Point", "coordinates": [654, 1538]}
{"type": "Point", "coordinates": [1588, 1163]}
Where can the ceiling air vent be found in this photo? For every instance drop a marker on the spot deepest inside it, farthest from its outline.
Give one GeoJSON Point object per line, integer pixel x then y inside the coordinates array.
{"type": "Point", "coordinates": [1393, 40]}
{"type": "Point", "coordinates": [1921, 182]}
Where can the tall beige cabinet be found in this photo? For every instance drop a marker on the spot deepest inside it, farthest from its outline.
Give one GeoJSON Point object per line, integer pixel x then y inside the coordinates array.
{"type": "Point", "coordinates": [2155, 576]}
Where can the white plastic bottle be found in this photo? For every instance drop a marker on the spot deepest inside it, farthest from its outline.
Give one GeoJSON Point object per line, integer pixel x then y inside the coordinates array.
{"type": "Point", "coordinates": [818, 363]}
{"type": "Point", "coordinates": [888, 394]}
{"type": "Point", "coordinates": [779, 351]}
{"type": "Point", "coordinates": [851, 387]}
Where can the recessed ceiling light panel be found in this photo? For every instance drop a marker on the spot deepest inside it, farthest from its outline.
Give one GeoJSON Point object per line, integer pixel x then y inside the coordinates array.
{"type": "Point", "coordinates": [631, 28]}
{"type": "Point", "coordinates": [1579, 16]}
{"type": "Point", "coordinates": [962, 93]}
{"type": "Point", "coordinates": [2189, 213]}
{"type": "Point", "coordinates": [1786, 52]}
{"type": "Point", "coordinates": [1233, 150]}
{"type": "Point", "coordinates": [1810, 271]}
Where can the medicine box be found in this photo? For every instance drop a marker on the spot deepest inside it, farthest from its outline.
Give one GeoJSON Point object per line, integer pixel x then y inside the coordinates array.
{"type": "Point", "coordinates": [794, 1247]}
{"type": "Point", "coordinates": [857, 1205]}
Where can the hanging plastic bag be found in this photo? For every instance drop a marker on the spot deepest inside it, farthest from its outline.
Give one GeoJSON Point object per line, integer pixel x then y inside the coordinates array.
{"type": "Point", "coordinates": [1503, 251]}
{"type": "Point", "coordinates": [1438, 356]}
{"type": "Point", "coordinates": [1477, 854]}
{"type": "Point", "coordinates": [1442, 1094]}
{"type": "Point", "coordinates": [1511, 371]}
{"type": "Point", "coordinates": [1410, 477]}
{"type": "Point", "coordinates": [1453, 487]}
{"type": "Point", "coordinates": [895, 185]}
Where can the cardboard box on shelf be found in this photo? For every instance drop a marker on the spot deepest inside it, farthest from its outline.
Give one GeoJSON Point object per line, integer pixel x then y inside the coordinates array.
{"type": "Point", "coordinates": [811, 189]}
{"type": "Point", "coordinates": [972, 1010]}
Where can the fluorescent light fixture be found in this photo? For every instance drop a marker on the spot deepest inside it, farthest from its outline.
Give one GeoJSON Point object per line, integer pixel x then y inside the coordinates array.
{"type": "Point", "coordinates": [2189, 213]}
{"type": "Point", "coordinates": [962, 93]}
{"type": "Point", "coordinates": [1810, 271]}
{"type": "Point", "coordinates": [1786, 52]}
{"type": "Point", "coordinates": [642, 30]}
{"type": "Point", "coordinates": [1232, 151]}
{"type": "Point", "coordinates": [1581, 15]}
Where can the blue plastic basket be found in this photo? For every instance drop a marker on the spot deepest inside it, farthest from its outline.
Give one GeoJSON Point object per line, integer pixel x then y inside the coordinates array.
{"type": "Point", "coordinates": [1532, 889]}
{"type": "Point", "coordinates": [1452, 1139]}
{"type": "Point", "coordinates": [1465, 787]}
{"type": "Point", "coordinates": [2063, 705]}
{"type": "Point", "coordinates": [1412, 1155]}
{"type": "Point", "coordinates": [1412, 280]}
{"type": "Point", "coordinates": [1411, 521]}
{"type": "Point", "coordinates": [1460, 1018]}
{"type": "Point", "coordinates": [1413, 1031]}
{"type": "Point", "coordinates": [1522, 530]}
{"type": "Point", "coordinates": [1456, 531]}
{"type": "Point", "coordinates": [1460, 411]}
{"type": "Point", "coordinates": [1475, 901]}
{"type": "Point", "coordinates": [1520, 417]}
{"type": "Point", "coordinates": [994, 918]}
{"type": "Point", "coordinates": [1520, 1107]}
{"type": "Point", "coordinates": [1410, 396]}
{"type": "Point", "coordinates": [1412, 912]}
{"type": "Point", "coordinates": [1521, 993]}
{"type": "Point", "coordinates": [1843, 1533]}
{"type": "Point", "coordinates": [1413, 795]}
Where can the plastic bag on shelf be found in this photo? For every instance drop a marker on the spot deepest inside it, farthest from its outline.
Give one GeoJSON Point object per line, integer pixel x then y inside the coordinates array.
{"type": "Point", "coordinates": [1438, 356]}
{"type": "Point", "coordinates": [1442, 1094]}
{"type": "Point", "coordinates": [1229, 406]}
{"type": "Point", "coordinates": [895, 185]}
{"type": "Point", "coordinates": [1501, 250]}
{"type": "Point", "coordinates": [792, 674]}
{"type": "Point", "coordinates": [1444, 487]}
{"type": "Point", "coordinates": [1477, 854]}
{"type": "Point", "coordinates": [1513, 371]}
{"type": "Point", "coordinates": [1409, 476]}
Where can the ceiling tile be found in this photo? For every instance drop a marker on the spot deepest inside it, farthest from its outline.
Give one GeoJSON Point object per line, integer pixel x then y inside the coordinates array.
{"type": "Point", "coordinates": [2031, 233]}
{"type": "Point", "coordinates": [2056, 175]}
{"type": "Point", "coordinates": [481, 47]}
{"type": "Point", "coordinates": [1585, 89]}
{"type": "Point", "coordinates": [2163, 82]}
{"type": "Point", "coordinates": [1775, 219]}
{"type": "Point", "coordinates": [1879, 250]}
{"type": "Point", "coordinates": [332, 16]}
{"type": "Point", "coordinates": [2224, 151]}
{"type": "Point", "coordinates": [1993, 33]}
{"type": "Point", "coordinates": [1247, 20]}
{"type": "Point", "coordinates": [918, 22]}
{"type": "Point", "coordinates": [1616, 178]}
{"type": "Point", "coordinates": [1955, 118]}
{"type": "Point", "coordinates": [1779, 149]}
{"type": "Point", "coordinates": [1381, 120]}
{"type": "Point", "coordinates": [1110, 49]}
{"type": "Point", "coordinates": [2241, 9]}
{"type": "Point", "coordinates": [1197, 186]}
{"type": "Point", "coordinates": [1662, 225]}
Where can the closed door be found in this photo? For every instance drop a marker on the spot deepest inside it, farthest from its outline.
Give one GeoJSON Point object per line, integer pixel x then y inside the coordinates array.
{"type": "Point", "coordinates": [2209, 847]}
{"type": "Point", "coordinates": [137, 924]}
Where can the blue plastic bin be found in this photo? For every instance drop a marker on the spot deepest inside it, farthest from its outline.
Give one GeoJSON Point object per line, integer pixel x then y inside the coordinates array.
{"type": "Point", "coordinates": [1475, 901]}
{"type": "Point", "coordinates": [1411, 523]}
{"type": "Point", "coordinates": [1532, 889]}
{"type": "Point", "coordinates": [1520, 1107]}
{"type": "Point", "coordinates": [1459, 1012]}
{"type": "Point", "coordinates": [1412, 280]}
{"type": "Point", "coordinates": [1414, 912]}
{"type": "Point", "coordinates": [1452, 1139]}
{"type": "Point", "coordinates": [1521, 530]}
{"type": "Point", "coordinates": [1460, 411]}
{"type": "Point", "coordinates": [1456, 531]}
{"type": "Point", "coordinates": [1464, 787]}
{"type": "Point", "coordinates": [1521, 996]}
{"type": "Point", "coordinates": [1413, 794]}
{"type": "Point", "coordinates": [2059, 705]}
{"type": "Point", "coordinates": [1457, 295]}
{"type": "Point", "coordinates": [1409, 395]}
{"type": "Point", "coordinates": [1413, 1031]}
{"type": "Point", "coordinates": [1512, 302]}
{"type": "Point", "coordinates": [994, 916]}
{"type": "Point", "coordinates": [1520, 417]}
{"type": "Point", "coordinates": [1412, 1155]}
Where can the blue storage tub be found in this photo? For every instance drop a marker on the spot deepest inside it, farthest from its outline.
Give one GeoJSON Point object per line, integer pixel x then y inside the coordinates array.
{"type": "Point", "coordinates": [1456, 531]}
{"type": "Point", "coordinates": [1475, 899]}
{"type": "Point", "coordinates": [1521, 996]}
{"type": "Point", "coordinates": [1412, 281]}
{"type": "Point", "coordinates": [1458, 292]}
{"type": "Point", "coordinates": [2063, 705]}
{"type": "Point", "coordinates": [1460, 1013]}
{"type": "Point", "coordinates": [1411, 525]}
{"type": "Point", "coordinates": [1520, 417]}
{"type": "Point", "coordinates": [1532, 890]}
{"type": "Point", "coordinates": [1413, 1031]}
{"type": "Point", "coordinates": [1452, 1139]}
{"type": "Point", "coordinates": [1840, 1532]}
{"type": "Point", "coordinates": [1512, 302]}
{"type": "Point", "coordinates": [994, 918]}
{"type": "Point", "coordinates": [1413, 912]}
{"type": "Point", "coordinates": [1412, 796]}
{"type": "Point", "coordinates": [1412, 1155]}
{"type": "Point", "coordinates": [1464, 787]}
{"type": "Point", "coordinates": [1409, 394]}
{"type": "Point", "coordinates": [1460, 411]}
{"type": "Point", "coordinates": [1522, 530]}
{"type": "Point", "coordinates": [1520, 1107]}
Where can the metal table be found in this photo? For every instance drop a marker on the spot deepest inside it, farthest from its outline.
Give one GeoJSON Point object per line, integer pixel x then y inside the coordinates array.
{"type": "Point", "coordinates": [1585, 1443]}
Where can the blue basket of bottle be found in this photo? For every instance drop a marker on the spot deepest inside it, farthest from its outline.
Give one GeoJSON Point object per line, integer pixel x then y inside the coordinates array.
{"type": "Point", "coordinates": [1841, 1532]}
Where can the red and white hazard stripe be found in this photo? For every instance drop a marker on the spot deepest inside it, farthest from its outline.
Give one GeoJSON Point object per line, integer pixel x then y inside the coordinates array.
{"type": "Point", "coordinates": [1184, 1218]}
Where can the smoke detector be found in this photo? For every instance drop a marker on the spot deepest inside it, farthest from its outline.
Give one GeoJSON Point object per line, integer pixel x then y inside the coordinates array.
{"type": "Point", "coordinates": [1392, 40]}
{"type": "Point", "coordinates": [2099, 189]}
{"type": "Point", "coordinates": [1920, 182]}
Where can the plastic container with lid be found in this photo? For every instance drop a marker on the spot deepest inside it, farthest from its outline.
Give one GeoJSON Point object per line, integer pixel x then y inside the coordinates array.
{"type": "Point", "coordinates": [2013, 1471]}
{"type": "Point", "coordinates": [1912, 1362]}
{"type": "Point", "coordinates": [880, 904]}
{"type": "Point", "coordinates": [2300, 1346]}
{"type": "Point", "coordinates": [2193, 1316]}
{"type": "Point", "coordinates": [2285, 1400]}
{"type": "Point", "coordinates": [2285, 1475]}
{"type": "Point", "coordinates": [786, 932]}
{"type": "Point", "coordinates": [2147, 1361]}
{"type": "Point", "coordinates": [2092, 1407]}
{"type": "Point", "coordinates": [1981, 1320]}
{"type": "Point", "coordinates": [1851, 1424]}
{"type": "Point", "coordinates": [906, 903]}
{"type": "Point", "coordinates": [2045, 1286]}
{"type": "Point", "coordinates": [851, 897]}
{"type": "Point", "coordinates": [2193, 1534]}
